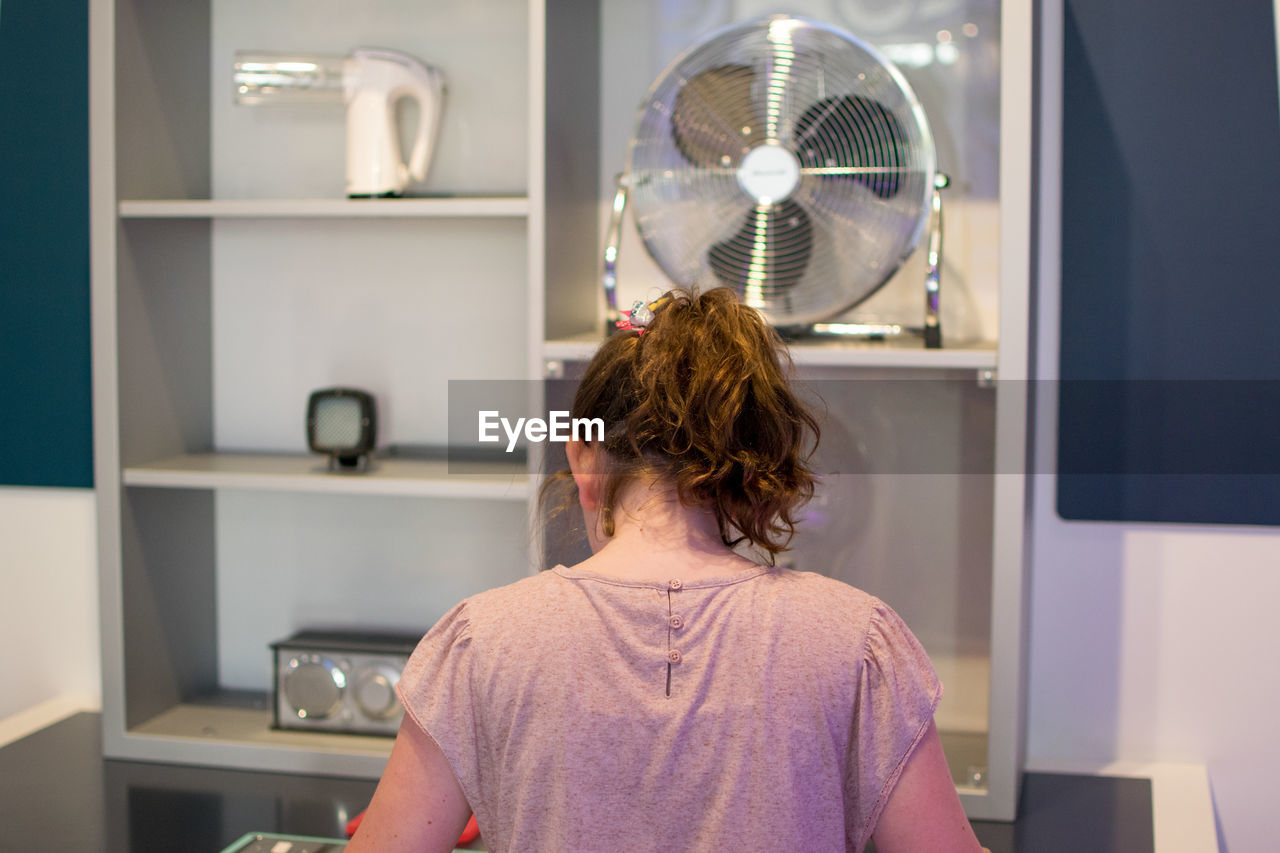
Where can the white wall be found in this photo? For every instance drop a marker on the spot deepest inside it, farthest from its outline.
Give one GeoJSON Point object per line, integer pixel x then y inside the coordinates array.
{"type": "Point", "coordinates": [1147, 642]}
{"type": "Point", "coordinates": [49, 605]}
{"type": "Point", "coordinates": [1160, 643]}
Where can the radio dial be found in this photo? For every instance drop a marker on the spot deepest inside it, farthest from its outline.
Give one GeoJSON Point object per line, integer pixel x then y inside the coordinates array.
{"type": "Point", "coordinates": [313, 686]}
{"type": "Point", "coordinates": [375, 692]}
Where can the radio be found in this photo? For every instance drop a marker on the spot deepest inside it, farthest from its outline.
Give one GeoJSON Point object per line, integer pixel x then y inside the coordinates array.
{"type": "Point", "coordinates": [340, 681]}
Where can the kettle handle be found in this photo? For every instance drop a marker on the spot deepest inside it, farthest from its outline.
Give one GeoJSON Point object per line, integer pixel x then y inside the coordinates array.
{"type": "Point", "coordinates": [429, 93]}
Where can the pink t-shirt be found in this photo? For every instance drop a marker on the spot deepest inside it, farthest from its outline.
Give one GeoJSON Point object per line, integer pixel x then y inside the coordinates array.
{"type": "Point", "coordinates": [770, 710]}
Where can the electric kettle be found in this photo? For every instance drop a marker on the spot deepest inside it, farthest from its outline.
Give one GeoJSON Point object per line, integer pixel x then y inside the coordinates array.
{"type": "Point", "coordinates": [370, 81]}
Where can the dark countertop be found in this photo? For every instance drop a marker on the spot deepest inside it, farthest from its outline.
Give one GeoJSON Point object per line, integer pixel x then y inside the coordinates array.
{"type": "Point", "coordinates": [57, 793]}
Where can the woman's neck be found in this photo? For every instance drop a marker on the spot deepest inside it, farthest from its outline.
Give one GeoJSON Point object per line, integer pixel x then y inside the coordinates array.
{"type": "Point", "coordinates": [656, 537]}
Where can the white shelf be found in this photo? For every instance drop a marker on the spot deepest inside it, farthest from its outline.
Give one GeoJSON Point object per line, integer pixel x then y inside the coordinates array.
{"type": "Point", "coordinates": [431, 478]}
{"type": "Point", "coordinates": [908, 354]}
{"type": "Point", "coordinates": [333, 208]}
{"type": "Point", "coordinates": [234, 737]}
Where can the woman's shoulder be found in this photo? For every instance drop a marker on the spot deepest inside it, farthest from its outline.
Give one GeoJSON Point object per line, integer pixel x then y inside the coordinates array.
{"type": "Point", "coordinates": [501, 604]}
{"type": "Point", "coordinates": [821, 590]}
{"type": "Point", "coordinates": [831, 607]}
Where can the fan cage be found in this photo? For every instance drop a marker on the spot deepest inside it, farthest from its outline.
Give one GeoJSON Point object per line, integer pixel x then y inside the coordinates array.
{"type": "Point", "coordinates": [827, 214]}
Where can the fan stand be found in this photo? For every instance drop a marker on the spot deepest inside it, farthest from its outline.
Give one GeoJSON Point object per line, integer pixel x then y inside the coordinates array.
{"type": "Point", "coordinates": [931, 331]}
{"type": "Point", "coordinates": [613, 237]}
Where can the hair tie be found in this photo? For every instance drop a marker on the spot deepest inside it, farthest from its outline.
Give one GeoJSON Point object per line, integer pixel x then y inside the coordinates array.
{"type": "Point", "coordinates": [641, 314]}
{"type": "Point", "coordinates": [638, 318]}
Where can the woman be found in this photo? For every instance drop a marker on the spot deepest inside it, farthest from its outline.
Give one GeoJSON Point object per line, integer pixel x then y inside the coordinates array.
{"type": "Point", "coordinates": [668, 693]}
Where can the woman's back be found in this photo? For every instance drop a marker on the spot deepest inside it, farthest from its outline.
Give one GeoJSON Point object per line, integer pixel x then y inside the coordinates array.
{"type": "Point", "coordinates": [765, 709]}
{"type": "Point", "coordinates": [668, 694]}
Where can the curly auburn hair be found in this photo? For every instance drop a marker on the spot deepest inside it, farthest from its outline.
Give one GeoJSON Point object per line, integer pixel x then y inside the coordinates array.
{"type": "Point", "coordinates": [700, 400]}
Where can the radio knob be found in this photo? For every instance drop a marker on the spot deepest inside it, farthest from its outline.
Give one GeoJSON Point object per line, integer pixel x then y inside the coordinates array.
{"type": "Point", "coordinates": [375, 692]}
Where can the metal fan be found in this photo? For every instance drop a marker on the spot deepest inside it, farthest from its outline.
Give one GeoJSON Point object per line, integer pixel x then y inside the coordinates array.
{"type": "Point", "coordinates": [790, 161]}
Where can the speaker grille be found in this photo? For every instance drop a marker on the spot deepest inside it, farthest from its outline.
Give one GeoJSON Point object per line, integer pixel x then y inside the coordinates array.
{"type": "Point", "coordinates": [337, 422]}
{"type": "Point", "coordinates": [314, 687]}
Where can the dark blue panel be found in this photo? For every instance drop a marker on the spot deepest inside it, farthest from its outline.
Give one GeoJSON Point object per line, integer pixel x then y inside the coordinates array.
{"type": "Point", "coordinates": [1171, 208]}
{"type": "Point", "coordinates": [46, 432]}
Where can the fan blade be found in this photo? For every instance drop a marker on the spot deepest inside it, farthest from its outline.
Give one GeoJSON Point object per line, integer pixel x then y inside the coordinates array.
{"type": "Point", "coordinates": [713, 119]}
{"type": "Point", "coordinates": [853, 138]}
{"type": "Point", "coordinates": [768, 254]}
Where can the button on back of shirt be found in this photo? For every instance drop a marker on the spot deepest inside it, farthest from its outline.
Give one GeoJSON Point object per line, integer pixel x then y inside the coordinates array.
{"type": "Point", "coordinates": [676, 622]}
{"type": "Point", "coordinates": [673, 656]}
{"type": "Point", "coordinates": [674, 584]}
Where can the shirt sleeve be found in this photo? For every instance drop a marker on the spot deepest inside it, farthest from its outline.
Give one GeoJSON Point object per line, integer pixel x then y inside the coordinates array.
{"type": "Point", "coordinates": [898, 692]}
{"type": "Point", "coordinates": [435, 689]}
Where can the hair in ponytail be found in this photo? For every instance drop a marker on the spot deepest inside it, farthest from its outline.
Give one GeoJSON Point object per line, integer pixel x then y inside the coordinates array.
{"type": "Point", "coordinates": [699, 398]}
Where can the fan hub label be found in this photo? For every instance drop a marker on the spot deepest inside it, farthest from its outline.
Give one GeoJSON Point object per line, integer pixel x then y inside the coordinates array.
{"type": "Point", "coordinates": [769, 173]}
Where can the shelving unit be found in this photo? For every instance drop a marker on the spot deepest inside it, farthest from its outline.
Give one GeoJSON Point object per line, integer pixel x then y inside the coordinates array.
{"type": "Point", "coordinates": [231, 279]}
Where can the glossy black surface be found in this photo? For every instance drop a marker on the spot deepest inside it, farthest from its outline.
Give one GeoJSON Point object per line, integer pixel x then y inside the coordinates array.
{"type": "Point", "coordinates": [58, 794]}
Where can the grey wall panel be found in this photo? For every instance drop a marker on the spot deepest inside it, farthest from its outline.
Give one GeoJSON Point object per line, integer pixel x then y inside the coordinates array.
{"type": "Point", "coordinates": [1171, 195]}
